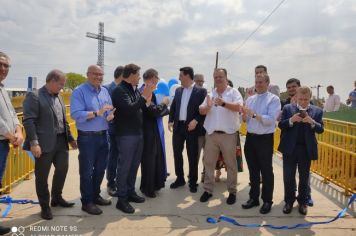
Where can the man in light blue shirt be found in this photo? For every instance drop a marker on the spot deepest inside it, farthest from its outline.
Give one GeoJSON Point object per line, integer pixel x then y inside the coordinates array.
{"type": "Point", "coordinates": [91, 108]}
{"type": "Point", "coordinates": [260, 112]}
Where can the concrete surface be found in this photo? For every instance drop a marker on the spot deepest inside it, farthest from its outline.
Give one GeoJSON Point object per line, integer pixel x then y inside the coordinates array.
{"type": "Point", "coordinates": [178, 212]}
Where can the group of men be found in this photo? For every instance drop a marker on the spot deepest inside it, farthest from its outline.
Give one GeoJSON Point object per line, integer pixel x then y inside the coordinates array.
{"type": "Point", "coordinates": [111, 137]}
{"type": "Point", "coordinates": [220, 114]}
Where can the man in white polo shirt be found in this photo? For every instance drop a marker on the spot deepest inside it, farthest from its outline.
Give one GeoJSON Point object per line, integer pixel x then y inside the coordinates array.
{"type": "Point", "coordinates": [221, 123]}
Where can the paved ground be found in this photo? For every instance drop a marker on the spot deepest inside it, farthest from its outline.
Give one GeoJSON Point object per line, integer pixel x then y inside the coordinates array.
{"type": "Point", "coordinates": [178, 212]}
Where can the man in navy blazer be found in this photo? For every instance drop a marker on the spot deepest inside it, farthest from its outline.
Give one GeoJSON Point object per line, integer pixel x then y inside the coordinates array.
{"type": "Point", "coordinates": [299, 123]}
{"type": "Point", "coordinates": [186, 122]}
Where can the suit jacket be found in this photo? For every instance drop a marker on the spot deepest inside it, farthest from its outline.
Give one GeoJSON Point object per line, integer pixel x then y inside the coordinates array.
{"type": "Point", "coordinates": [289, 134]}
{"type": "Point", "coordinates": [196, 99]}
{"type": "Point", "coordinates": [40, 120]}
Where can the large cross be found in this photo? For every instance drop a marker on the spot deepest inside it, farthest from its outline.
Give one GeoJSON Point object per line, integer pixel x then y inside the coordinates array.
{"type": "Point", "coordinates": [101, 38]}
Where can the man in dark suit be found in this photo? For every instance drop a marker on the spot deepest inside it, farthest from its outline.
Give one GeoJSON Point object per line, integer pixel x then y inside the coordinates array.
{"type": "Point", "coordinates": [186, 121]}
{"type": "Point", "coordinates": [299, 123]}
{"type": "Point", "coordinates": [47, 136]}
{"type": "Point", "coordinates": [128, 121]}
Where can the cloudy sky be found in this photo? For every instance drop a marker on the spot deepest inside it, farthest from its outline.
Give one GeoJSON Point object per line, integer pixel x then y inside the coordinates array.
{"type": "Point", "coordinates": [314, 41]}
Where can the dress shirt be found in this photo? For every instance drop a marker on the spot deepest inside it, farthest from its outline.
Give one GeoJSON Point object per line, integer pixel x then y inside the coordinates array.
{"type": "Point", "coordinates": [266, 105]}
{"type": "Point", "coordinates": [59, 113]}
{"type": "Point", "coordinates": [220, 118]}
{"type": "Point", "coordinates": [184, 102]}
{"type": "Point", "coordinates": [8, 117]}
{"type": "Point", "coordinates": [332, 103]}
{"type": "Point", "coordinates": [86, 98]}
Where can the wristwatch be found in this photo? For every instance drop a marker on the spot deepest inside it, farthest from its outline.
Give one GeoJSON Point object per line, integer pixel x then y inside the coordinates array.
{"type": "Point", "coordinates": [223, 104]}
{"type": "Point", "coordinates": [254, 115]}
{"type": "Point", "coordinates": [95, 113]}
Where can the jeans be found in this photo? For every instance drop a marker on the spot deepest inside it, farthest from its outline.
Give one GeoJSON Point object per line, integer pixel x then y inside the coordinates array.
{"type": "Point", "coordinates": [4, 151]}
{"type": "Point", "coordinates": [93, 154]}
{"type": "Point", "coordinates": [129, 159]}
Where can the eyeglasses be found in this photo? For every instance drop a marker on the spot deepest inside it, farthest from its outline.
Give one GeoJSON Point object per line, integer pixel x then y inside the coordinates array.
{"type": "Point", "coordinates": [7, 66]}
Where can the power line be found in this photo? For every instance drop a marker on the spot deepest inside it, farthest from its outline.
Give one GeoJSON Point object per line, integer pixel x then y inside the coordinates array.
{"type": "Point", "coordinates": [253, 32]}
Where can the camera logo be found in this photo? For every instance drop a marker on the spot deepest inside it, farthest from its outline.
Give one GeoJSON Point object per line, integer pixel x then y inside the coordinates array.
{"type": "Point", "coordinates": [18, 231]}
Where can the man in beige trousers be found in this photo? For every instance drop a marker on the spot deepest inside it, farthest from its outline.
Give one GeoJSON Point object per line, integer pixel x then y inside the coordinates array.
{"type": "Point", "coordinates": [221, 123]}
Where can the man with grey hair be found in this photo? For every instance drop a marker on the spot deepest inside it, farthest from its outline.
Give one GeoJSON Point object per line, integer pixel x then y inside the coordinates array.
{"type": "Point", "coordinates": [260, 113]}
{"type": "Point", "coordinates": [10, 128]}
{"type": "Point", "coordinates": [47, 137]}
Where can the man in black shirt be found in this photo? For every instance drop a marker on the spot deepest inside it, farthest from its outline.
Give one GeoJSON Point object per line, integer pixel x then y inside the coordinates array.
{"type": "Point", "coordinates": [129, 136]}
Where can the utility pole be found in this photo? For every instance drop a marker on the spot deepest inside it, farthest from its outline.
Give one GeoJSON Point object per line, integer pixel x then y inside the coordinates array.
{"type": "Point", "coordinates": [101, 39]}
{"type": "Point", "coordinates": [216, 60]}
{"type": "Point", "coordinates": [317, 91]}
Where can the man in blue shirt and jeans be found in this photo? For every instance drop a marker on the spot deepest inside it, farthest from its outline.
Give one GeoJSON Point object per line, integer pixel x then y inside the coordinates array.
{"type": "Point", "coordinates": [91, 108]}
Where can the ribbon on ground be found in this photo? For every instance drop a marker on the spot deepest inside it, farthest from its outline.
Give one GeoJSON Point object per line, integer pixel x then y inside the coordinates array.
{"type": "Point", "coordinates": [302, 225]}
{"type": "Point", "coordinates": [9, 201]}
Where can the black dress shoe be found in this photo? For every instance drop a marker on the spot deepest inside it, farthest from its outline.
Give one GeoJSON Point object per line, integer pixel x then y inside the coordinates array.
{"type": "Point", "coordinates": [92, 209]}
{"type": "Point", "coordinates": [205, 197]}
{"type": "Point", "coordinates": [303, 209]}
{"type": "Point", "coordinates": [193, 188]}
{"type": "Point", "coordinates": [46, 213]}
{"type": "Point", "coordinates": [287, 209]}
{"type": "Point", "coordinates": [4, 230]}
{"type": "Point", "coordinates": [135, 198]}
{"type": "Point", "coordinates": [150, 194]}
{"type": "Point", "coordinates": [231, 199]}
{"type": "Point", "coordinates": [177, 184]}
{"type": "Point", "coordinates": [59, 201]}
{"type": "Point", "coordinates": [112, 191]}
{"type": "Point", "coordinates": [266, 207]}
{"type": "Point", "coordinates": [250, 203]}
{"type": "Point", "coordinates": [102, 202]}
{"type": "Point", "coordinates": [124, 206]}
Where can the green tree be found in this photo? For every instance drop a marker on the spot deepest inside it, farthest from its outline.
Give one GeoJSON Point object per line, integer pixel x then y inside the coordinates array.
{"type": "Point", "coordinates": [74, 79]}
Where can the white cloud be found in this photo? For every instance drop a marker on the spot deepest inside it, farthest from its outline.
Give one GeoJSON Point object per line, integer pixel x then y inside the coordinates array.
{"type": "Point", "coordinates": [304, 38]}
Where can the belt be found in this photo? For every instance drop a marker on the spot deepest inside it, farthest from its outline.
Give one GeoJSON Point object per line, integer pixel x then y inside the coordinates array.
{"type": "Point", "coordinates": [90, 133]}
{"type": "Point", "coordinates": [219, 132]}
{"type": "Point", "coordinates": [253, 134]}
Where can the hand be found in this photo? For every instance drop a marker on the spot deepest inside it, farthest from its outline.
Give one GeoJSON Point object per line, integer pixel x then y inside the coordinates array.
{"type": "Point", "coordinates": [218, 101]}
{"type": "Point", "coordinates": [73, 144]}
{"type": "Point", "coordinates": [296, 118]}
{"type": "Point", "coordinates": [192, 124]}
{"type": "Point", "coordinates": [111, 115]}
{"type": "Point", "coordinates": [348, 101]}
{"type": "Point", "coordinates": [19, 139]}
{"type": "Point", "coordinates": [170, 126]}
{"type": "Point", "coordinates": [147, 91]}
{"type": "Point", "coordinates": [11, 137]}
{"type": "Point", "coordinates": [246, 111]}
{"type": "Point", "coordinates": [209, 101]}
{"type": "Point", "coordinates": [104, 109]}
{"type": "Point", "coordinates": [36, 150]}
{"type": "Point", "coordinates": [165, 100]}
{"type": "Point", "coordinates": [308, 119]}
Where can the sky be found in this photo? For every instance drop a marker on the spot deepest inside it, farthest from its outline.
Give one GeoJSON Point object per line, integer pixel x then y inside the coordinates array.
{"type": "Point", "coordinates": [314, 41]}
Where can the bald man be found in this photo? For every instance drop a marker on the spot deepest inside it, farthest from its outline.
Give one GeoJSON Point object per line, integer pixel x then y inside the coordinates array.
{"type": "Point", "coordinates": [91, 108]}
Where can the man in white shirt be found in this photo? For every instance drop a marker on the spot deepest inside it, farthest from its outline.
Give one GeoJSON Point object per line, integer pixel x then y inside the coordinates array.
{"type": "Point", "coordinates": [332, 103]}
{"type": "Point", "coordinates": [221, 123]}
{"type": "Point", "coordinates": [260, 113]}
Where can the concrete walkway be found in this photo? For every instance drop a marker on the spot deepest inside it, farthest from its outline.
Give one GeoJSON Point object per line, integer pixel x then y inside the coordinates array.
{"type": "Point", "coordinates": [178, 212]}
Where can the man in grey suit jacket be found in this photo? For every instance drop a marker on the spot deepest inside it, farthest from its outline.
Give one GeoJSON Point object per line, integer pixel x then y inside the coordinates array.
{"type": "Point", "coordinates": [47, 136]}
